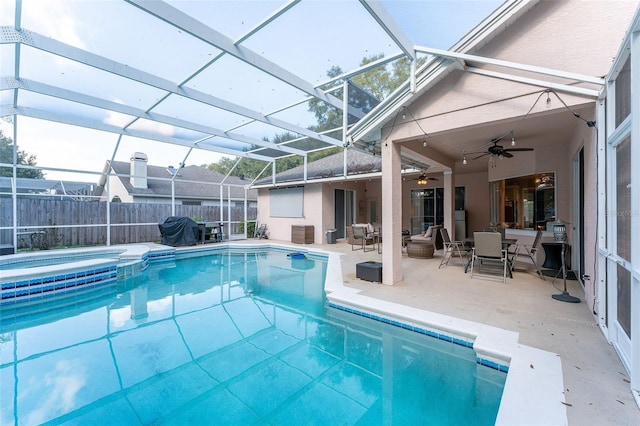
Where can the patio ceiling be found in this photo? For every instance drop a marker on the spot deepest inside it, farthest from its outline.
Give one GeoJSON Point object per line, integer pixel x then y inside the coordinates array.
{"type": "Point", "coordinates": [474, 140]}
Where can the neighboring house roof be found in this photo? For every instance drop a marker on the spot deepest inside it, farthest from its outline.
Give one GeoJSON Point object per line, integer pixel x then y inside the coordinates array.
{"type": "Point", "coordinates": [192, 182]}
{"type": "Point", "coordinates": [332, 166]}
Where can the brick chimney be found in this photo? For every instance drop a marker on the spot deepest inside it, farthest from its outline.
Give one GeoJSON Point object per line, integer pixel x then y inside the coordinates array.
{"type": "Point", "coordinates": [138, 171]}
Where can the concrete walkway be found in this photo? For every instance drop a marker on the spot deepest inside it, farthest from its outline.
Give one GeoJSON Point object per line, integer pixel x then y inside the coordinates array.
{"type": "Point", "coordinates": [596, 383]}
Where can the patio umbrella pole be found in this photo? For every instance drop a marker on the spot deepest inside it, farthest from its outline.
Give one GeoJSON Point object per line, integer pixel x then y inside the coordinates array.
{"type": "Point", "coordinates": [565, 296]}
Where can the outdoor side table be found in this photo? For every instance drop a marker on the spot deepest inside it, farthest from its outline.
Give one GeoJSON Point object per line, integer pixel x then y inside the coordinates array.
{"type": "Point", "coordinates": [420, 250]}
{"type": "Point", "coordinates": [369, 271]}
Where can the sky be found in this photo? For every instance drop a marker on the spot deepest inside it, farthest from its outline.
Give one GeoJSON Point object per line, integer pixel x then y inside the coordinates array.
{"type": "Point", "coordinates": [307, 40]}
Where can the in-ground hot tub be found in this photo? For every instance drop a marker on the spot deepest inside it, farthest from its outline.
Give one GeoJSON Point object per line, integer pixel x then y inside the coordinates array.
{"type": "Point", "coordinates": [25, 277]}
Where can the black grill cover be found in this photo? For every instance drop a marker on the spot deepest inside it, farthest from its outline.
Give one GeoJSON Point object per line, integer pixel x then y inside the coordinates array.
{"type": "Point", "coordinates": [178, 231]}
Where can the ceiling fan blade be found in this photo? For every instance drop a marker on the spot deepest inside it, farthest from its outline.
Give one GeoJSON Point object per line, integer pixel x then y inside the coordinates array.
{"type": "Point", "coordinates": [507, 154]}
{"type": "Point", "coordinates": [517, 149]}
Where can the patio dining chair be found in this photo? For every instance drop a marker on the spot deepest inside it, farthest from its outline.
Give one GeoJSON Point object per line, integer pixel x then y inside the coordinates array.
{"type": "Point", "coordinates": [452, 248]}
{"type": "Point", "coordinates": [488, 252]}
{"type": "Point", "coordinates": [361, 237]}
{"type": "Point", "coordinates": [528, 251]}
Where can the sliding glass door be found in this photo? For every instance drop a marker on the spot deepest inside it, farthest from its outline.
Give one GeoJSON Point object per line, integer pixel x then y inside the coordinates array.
{"type": "Point", "coordinates": [427, 207]}
{"type": "Point", "coordinates": [344, 212]}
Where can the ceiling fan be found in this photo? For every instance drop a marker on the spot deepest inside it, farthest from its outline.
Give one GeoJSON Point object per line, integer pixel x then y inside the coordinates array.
{"type": "Point", "coordinates": [499, 151]}
{"type": "Point", "coordinates": [423, 179]}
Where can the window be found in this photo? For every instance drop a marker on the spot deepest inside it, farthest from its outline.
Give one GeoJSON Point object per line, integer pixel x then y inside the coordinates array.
{"type": "Point", "coordinates": [525, 202]}
{"type": "Point", "coordinates": [286, 202]}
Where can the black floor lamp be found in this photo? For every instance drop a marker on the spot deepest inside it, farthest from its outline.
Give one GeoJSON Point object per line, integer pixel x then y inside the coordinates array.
{"type": "Point", "coordinates": [560, 235]}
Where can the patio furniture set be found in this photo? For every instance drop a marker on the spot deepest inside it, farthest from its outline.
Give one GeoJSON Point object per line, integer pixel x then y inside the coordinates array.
{"type": "Point", "coordinates": [485, 251]}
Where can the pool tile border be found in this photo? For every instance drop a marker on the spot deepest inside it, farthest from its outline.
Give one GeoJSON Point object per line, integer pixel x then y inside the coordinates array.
{"type": "Point", "coordinates": [40, 287]}
{"type": "Point", "coordinates": [422, 330]}
{"type": "Point", "coordinates": [84, 269]}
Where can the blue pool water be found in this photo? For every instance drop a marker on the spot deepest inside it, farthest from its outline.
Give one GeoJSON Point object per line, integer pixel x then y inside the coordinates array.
{"type": "Point", "coordinates": [232, 338]}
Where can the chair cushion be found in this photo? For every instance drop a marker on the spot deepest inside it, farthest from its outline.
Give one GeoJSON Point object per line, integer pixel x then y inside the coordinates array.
{"type": "Point", "coordinates": [367, 226]}
{"type": "Point", "coordinates": [428, 232]}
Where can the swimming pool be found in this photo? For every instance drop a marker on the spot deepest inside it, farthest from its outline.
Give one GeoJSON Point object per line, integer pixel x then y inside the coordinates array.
{"type": "Point", "coordinates": [231, 337]}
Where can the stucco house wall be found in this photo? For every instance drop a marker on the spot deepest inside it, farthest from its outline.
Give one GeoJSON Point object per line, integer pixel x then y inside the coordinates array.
{"type": "Point", "coordinates": [319, 206]}
{"type": "Point", "coordinates": [584, 138]}
{"type": "Point", "coordinates": [279, 228]}
{"type": "Point", "coordinates": [116, 188]}
{"type": "Point", "coordinates": [544, 37]}
{"type": "Point", "coordinates": [477, 199]}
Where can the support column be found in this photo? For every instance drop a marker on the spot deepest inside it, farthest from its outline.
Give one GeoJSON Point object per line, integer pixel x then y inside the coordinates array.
{"type": "Point", "coordinates": [391, 213]}
{"type": "Point", "coordinates": [449, 203]}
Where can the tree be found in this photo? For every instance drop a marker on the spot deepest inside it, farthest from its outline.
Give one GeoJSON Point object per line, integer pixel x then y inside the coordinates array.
{"type": "Point", "coordinates": [376, 83]}
{"type": "Point", "coordinates": [248, 167]}
{"type": "Point", "coordinates": [6, 156]}
{"type": "Point", "coordinates": [379, 82]}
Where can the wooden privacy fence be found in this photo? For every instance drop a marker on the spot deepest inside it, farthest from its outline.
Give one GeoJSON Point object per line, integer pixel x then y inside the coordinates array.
{"type": "Point", "coordinates": [44, 223]}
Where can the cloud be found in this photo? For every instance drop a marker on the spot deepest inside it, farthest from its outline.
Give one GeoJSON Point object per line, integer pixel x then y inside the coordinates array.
{"type": "Point", "coordinates": [55, 19]}
{"type": "Point", "coordinates": [58, 391]}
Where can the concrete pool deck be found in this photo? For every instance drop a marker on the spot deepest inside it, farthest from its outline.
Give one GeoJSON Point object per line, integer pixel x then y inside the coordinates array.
{"type": "Point", "coordinates": [596, 383]}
